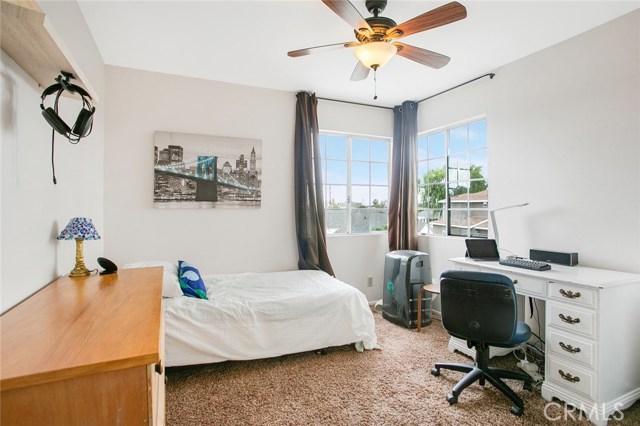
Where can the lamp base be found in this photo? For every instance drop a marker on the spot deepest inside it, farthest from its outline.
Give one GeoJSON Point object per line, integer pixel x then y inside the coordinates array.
{"type": "Point", "coordinates": [79, 271]}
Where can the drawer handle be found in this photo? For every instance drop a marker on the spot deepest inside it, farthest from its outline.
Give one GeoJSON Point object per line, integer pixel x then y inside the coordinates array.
{"type": "Point", "coordinates": [569, 294]}
{"type": "Point", "coordinates": [568, 319]}
{"type": "Point", "coordinates": [159, 368]}
{"type": "Point", "coordinates": [568, 377]}
{"type": "Point", "coordinates": [569, 348]}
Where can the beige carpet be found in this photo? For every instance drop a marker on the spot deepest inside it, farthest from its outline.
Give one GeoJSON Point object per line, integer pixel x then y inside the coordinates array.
{"type": "Point", "coordinates": [392, 386]}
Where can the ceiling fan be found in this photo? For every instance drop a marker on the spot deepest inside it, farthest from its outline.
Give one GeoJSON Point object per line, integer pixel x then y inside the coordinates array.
{"type": "Point", "coordinates": [377, 35]}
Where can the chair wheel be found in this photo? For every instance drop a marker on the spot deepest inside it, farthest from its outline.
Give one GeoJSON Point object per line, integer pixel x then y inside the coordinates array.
{"type": "Point", "coordinates": [517, 411]}
{"type": "Point", "coordinates": [435, 371]}
{"type": "Point", "coordinates": [527, 386]}
{"type": "Point", "coordinates": [451, 399]}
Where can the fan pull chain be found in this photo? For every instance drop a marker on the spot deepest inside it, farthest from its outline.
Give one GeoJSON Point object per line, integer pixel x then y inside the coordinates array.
{"type": "Point", "coordinates": [375, 84]}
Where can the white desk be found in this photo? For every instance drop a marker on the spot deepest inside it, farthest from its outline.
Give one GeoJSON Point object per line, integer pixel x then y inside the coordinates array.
{"type": "Point", "coordinates": [592, 333]}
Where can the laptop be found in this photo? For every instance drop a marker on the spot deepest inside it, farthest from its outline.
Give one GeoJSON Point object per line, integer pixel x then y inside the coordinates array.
{"type": "Point", "coordinates": [482, 250]}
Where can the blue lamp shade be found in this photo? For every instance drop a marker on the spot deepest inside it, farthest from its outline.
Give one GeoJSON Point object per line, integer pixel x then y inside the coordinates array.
{"type": "Point", "coordinates": [79, 228]}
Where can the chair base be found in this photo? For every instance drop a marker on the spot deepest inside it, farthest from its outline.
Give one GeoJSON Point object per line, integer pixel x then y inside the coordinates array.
{"type": "Point", "coordinates": [481, 372]}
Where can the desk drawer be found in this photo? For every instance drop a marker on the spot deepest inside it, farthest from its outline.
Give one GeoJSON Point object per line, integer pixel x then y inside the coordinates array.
{"type": "Point", "coordinates": [571, 347]}
{"type": "Point", "coordinates": [572, 378]}
{"type": "Point", "coordinates": [571, 318]}
{"type": "Point", "coordinates": [575, 295]}
{"type": "Point", "coordinates": [528, 286]}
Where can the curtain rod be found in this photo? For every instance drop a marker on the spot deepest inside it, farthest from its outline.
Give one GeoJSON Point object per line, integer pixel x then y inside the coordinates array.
{"type": "Point", "coordinates": [354, 103]}
{"type": "Point", "coordinates": [490, 75]}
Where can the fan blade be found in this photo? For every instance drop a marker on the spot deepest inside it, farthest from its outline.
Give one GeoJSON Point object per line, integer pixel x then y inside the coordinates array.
{"type": "Point", "coordinates": [360, 72]}
{"type": "Point", "coordinates": [443, 15]}
{"type": "Point", "coordinates": [317, 49]}
{"type": "Point", "coordinates": [349, 14]}
{"type": "Point", "coordinates": [422, 56]}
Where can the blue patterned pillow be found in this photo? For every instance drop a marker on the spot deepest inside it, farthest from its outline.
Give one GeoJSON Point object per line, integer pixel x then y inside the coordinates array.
{"type": "Point", "coordinates": [190, 280]}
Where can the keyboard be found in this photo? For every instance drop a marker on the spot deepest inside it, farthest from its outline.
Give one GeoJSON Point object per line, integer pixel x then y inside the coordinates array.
{"type": "Point", "coordinates": [519, 262]}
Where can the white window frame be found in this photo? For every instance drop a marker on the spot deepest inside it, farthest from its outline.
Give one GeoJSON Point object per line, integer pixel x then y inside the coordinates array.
{"type": "Point", "coordinates": [447, 209]}
{"type": "Point", "coordinates": [349, 184]}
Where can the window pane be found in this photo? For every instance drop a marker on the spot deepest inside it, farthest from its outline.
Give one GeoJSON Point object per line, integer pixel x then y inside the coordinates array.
{"type": "Point", "coordinates": [479, 164]}
{"type": "Point", "coordinates": [479, 223]}
{"type": "Point", "coordinates": [337, 147]}
{"type": "Point", "coordinates": [380, 151]}
{"type": "Point", "coordinates": [422, 148]}
{"type": "Point", "coordinates": [359, 196]}
{"type": "Point", "coordinates": [422, 197]}
{"type": "Point", "coordinates": [478, 135]}
{"type": "Point", "coordinates": [359, 173]}
{"type": "Point", "coordinates": [436, 196]}
{"type": "Point", "coordinates": [459, 167]}
{"type": "Point", "coordinates": [436, 223]}
{"type": "Point", "coordinates": [337, 172]}
{"type": "Point", "coordinates": [359, 221]}
{"type": "Point", "coordinates": [323, 145]}
{"type": "Point", "coordinates": [379, 174]}
{"type": "Point", "coordinates": [436, 171]}
{"type": "Point", "coordinates": [458, 195]}
{"type": "Point", "coordinates": [458, 140]}
{"type": "Point", "coordinates": [336, 221]}
{"type": "Point", "coordinates": [380, 196]}
{"type": "Point", "coordinates": [335, 196]}
{"type": "Point", "coordinates": [379, 220]}
{"type": "Point", "coordinates": [423, 169]}
{"type": "Point", "coordinates": [360, 149]}
{"type": "Point", "coordinates": [423, 215]}
{"type": "Point", "coordinates": [435, 143]}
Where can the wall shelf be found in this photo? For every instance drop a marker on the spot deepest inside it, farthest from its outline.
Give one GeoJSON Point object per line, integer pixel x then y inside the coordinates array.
{"type": "Point", "coordinates": [28, 38]}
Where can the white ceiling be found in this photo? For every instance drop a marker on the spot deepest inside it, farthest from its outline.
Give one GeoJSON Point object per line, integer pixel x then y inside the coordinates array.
{"type": "Point", "coordinates": [246, 42]}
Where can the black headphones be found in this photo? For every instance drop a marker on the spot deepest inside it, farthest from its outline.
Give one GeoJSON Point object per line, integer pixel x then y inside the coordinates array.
{"type": "Point", "coordinates": [83, 124]}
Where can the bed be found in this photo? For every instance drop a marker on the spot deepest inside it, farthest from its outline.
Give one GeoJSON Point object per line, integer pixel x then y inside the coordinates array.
{"type": "Point", "coordinates": [262, 315]}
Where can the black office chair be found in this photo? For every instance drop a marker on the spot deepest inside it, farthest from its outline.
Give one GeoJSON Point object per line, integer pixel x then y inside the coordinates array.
{"type": "Point", "coordinates": [482, 309]}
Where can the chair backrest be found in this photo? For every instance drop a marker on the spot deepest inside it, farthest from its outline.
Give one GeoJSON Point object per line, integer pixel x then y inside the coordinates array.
{"type": "Point", "coordinates": [478, 306]}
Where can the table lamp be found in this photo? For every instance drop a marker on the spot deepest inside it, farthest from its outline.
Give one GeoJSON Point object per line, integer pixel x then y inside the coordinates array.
{"type": "Point", "coordinates": [80, 229]}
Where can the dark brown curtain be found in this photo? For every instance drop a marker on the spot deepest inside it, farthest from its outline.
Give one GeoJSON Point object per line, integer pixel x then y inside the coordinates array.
{"type": "Point", "coordinates": [402, 194]}
{"type": "Point", "coordinates": [309, 205]}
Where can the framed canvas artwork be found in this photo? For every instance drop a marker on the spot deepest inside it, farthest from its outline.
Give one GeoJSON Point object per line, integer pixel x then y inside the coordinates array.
{"type": "Point", "coordinates": [199, 171]}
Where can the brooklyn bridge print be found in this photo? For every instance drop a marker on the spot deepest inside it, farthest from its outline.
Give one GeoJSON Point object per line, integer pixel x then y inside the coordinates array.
{"type": "Point", "coordinates": [199, 171]}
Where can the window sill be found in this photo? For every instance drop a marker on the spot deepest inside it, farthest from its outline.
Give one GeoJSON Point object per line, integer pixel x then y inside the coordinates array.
{"type": "Point", "coordinates": [368, 234]}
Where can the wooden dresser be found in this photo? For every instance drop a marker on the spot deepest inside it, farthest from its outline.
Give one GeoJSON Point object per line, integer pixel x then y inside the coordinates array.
{"type": "Point", "coordinates": [85, 351]}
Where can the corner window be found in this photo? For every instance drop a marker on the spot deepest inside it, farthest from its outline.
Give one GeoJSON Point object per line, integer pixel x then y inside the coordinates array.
{"type": "Point", "coordinates": [453, 181]}
{"type": "Point", "coordinates": [355, 176]}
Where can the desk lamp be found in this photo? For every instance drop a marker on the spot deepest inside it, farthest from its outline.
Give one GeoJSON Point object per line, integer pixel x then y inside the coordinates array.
{"type": "Point", "coordinates": [80, 229]}
{"type": "Point", "coordinates": [493, 221]}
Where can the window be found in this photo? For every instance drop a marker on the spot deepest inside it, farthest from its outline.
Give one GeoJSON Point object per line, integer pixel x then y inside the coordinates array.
{"type": "Point", "coordinates": [355, 176]}
{"type": "Point", "coordinates": [453, 181]}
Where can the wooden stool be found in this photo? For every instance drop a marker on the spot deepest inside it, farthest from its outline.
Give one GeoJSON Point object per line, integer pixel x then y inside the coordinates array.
{"type": "Point", "coordinates": [433, 288]}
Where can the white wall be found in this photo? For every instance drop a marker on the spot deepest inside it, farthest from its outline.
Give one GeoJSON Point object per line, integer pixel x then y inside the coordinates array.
{"type": "Point", "coordinates": [563, 134]}
{"type": "Point", "coordinates": [33, 210]}
{"type": "Point", "coordinates": [216, 240]}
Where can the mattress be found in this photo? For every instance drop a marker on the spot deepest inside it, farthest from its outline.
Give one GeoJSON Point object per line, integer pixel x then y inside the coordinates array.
{"type": "Point", "coordinates": [262, 315]}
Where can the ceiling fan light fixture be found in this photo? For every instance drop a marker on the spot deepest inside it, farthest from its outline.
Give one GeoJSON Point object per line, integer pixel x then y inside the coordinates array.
{"type": "Point", "coordinates": [375, 54]}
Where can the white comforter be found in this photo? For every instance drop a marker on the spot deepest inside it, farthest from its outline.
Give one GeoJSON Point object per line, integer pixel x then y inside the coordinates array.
{"type": "Point", "coordinates": [261, 315]}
